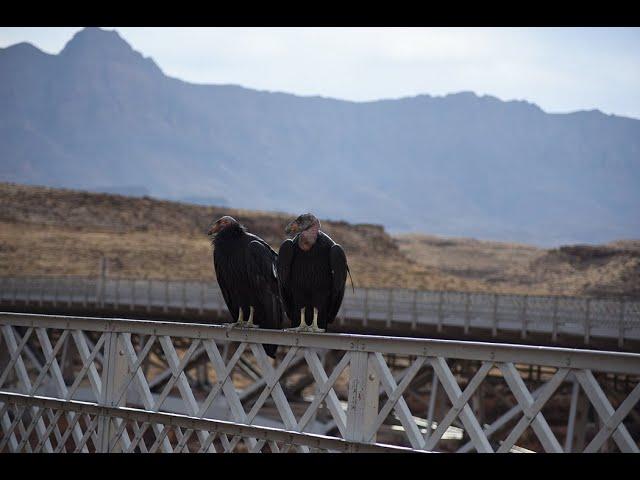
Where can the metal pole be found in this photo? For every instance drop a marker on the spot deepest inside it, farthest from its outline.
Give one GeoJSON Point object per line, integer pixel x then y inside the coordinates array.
{"type": "Point", "coordinates": [366, 307]}
{"type": "Point", "coordinates": [467, 312]}
{"type": "Point", "coordinates": [414, 319]}
{"type": "Point", "coordinates": [371, 398]}
{"type": "Point", "coordinates": [494, 330]}
{"type": "Point", "coordinates": [554, 334]}
{"type": "Point", "coordinates": [621, 324]}
{"type": "Point", "coordinates": [587, 326]}
{"type": "Point", "coordinates": [363, 385]}
{"type": "Point", "coordinates": [113, 376]}
{"type": "Point", "coordinates": [523, 333]}
{"type": "Point", "coordinates": [102, 280]}
{"type": "Point", "coordinates": [390, 308]}
{"type": "Point", "coordinates": [440, 313]}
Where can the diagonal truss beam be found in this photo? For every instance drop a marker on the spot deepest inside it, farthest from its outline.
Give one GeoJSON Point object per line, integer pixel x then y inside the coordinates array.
{"type": "Point", "coordinates": [466, 415]}
{"type": "Point", "coordinates": [605, 411]}
{"type": "Point", "coordinates": [611, 424]}
{"type": "Point", "coordinates": [526, 401]}
{"type": "Point", "coordinates": [532, 411]}
{"type": "Point", "coordinates": [401, 408]}
{"type": "Point", "coordinates": [457, 405]}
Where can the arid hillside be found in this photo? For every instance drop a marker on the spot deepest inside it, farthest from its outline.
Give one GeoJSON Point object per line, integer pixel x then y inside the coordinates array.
{"type": "Point", "coordinates": [45, 231]}
{"type": "Point", "coordinates": [603, 270]}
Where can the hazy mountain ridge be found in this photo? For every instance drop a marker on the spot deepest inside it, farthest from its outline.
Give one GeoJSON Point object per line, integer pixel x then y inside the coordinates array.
{"type": "Point", "coordinates": [100, 113]}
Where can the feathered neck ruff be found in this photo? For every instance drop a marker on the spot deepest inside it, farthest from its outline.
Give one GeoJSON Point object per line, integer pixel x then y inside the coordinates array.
{"type": "Point", "coordinates": [233, 231]}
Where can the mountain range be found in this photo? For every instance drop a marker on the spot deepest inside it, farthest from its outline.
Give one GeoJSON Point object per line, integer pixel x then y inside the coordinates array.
{"type": "Point", "coordinates": [101, 116]}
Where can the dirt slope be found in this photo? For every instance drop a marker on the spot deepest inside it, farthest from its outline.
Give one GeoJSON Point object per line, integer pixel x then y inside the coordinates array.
{"type": "Point", "coordinates": [45, 231]}
{"type": "Point", "coordinates": [603, 270]}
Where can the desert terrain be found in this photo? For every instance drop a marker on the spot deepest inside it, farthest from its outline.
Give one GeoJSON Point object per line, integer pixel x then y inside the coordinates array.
{"type": "Point", "coordinates": [46, 231]}
{"type": "Point", "coordinates": [593, 270]}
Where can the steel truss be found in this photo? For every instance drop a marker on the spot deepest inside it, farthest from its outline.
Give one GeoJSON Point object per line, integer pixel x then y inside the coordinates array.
{"type": "Point", "coordinates": [96, 384]}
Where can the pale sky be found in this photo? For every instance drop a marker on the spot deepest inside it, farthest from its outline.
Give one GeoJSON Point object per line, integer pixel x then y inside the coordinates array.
{"type": "Point", "coordinates": [559, 69]}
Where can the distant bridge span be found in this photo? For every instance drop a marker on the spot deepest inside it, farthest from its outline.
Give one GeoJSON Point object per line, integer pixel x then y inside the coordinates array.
{"type": "Point", "coordinates": [541, 320]}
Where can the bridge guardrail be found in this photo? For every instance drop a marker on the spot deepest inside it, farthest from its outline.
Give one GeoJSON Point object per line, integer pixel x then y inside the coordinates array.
{"type": "Point", "coordinates": [367, 391]}
{"type": "Point", "coordinates": [573, 316]}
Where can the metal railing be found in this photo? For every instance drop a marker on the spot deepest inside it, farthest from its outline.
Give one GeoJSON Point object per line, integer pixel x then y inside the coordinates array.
{"type": "Point", "coordinates": [407, 309]}
{"type": "Point", "coordinates": [96, 384]}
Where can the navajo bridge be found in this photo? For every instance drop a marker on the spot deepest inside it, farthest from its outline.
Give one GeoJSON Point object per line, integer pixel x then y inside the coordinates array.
{"type": "Point", "coordinates": [126, 365]}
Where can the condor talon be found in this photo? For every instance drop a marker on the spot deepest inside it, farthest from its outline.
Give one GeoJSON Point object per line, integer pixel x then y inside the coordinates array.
{"type": "Point", "coordinates": [240, 323]}
{"type": "Point", "coordinates": [303, 326]}
{"type": "Point", "coordinates": [250, 323]}
{"type": "Point", "coordinates": [314, 326]}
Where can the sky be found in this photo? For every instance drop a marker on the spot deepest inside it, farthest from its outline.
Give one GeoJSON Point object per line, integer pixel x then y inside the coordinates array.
{"type": "Point", "coordinates": [559, 69]}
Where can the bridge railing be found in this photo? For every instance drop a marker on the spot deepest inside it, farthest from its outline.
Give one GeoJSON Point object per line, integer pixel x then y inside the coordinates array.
{"type": "Point", "coordinates": [408, 309]}
{"type": "Point", "coordinates": [95, 384]}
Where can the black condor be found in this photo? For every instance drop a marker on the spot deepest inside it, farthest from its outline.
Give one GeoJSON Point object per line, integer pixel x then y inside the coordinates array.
{"type": "Point", "coordinates": [245, 267]}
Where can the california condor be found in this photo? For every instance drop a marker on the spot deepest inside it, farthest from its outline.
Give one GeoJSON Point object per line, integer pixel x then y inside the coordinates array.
{"type": "Point", "coordinates": [245, 267]}
{"type": "Point", "coordinates": [312, 272]}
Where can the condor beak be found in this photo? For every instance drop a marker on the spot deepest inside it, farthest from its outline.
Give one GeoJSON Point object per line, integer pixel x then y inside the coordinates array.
{"type": "Point", "coordinates": [291, 228]}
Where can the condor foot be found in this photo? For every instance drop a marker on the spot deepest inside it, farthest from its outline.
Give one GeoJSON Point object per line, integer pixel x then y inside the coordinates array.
{"type": "Point", "coordinates": [299, 329]}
